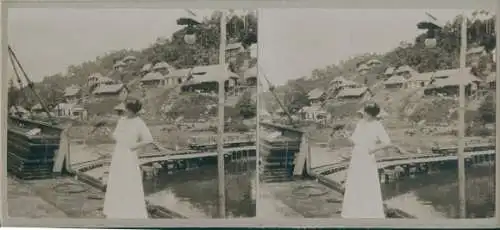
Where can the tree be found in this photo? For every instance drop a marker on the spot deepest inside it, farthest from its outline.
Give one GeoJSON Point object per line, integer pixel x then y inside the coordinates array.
{"type": "Point", "coordinates": [487, 110]}
{"type": "Point", "coordinates": [246, 106]}
{"type": "Point", "coordinates": [295, 99]}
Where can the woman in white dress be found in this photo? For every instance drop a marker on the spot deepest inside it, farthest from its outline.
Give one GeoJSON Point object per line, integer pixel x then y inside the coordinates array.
{"type": "Point", "coordinates": [363, 196]}
{"type": "Point", "coordinates": [124, 197]}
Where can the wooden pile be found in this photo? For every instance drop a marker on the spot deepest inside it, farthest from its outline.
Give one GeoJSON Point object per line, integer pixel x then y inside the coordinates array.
{"type": "Point", "coordinates": [31, 156]}
{"type": "Point", "coordinates": [277, 157]}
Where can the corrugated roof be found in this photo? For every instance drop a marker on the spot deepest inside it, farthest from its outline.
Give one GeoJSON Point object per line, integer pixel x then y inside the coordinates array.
{"type": "Point", "coordinates": [115, 88]}
{"type": "Point", "coordinates": [456, 79]}
{"type": "Point", "coordinates": [146, 67]}
{"type": "Point", "coordinates": [179, 73]}
{"type": "Point", "coordinates": [234, 46]}
{"type": "Point", "coordinates": [363, 67]}
{"type": "Point", "coordinates": [389, 70]}
{"type": "Point", "coordinates": [119, 64]}
{"type": "Point", "coordinates": [396, 79]}
{"type": "Point", "coordinates": [313, 108]}
{"type": "Point", "coordinates": [373, 61]}
{"type": "Point", "coordinates": [129, 58]}
{"type": "Point", "coordinates": [349, 92]}
{"type": "Point", "coordinates": [153, 76]}
{"type": "Point", "coordinates": [161, 65]}
{"type": "Point", "coordinates": [448, 72]}
{"type": "Point", "coordinates": [211, 73]}
{"type": "Point", "coordinates": [404, 68]}
{"type": "Point", "coordinates": [315, 93]}
{"type": "Point", "coordinates": [71, 91]}
{"type": "Point", "coordinates": [423, 77]}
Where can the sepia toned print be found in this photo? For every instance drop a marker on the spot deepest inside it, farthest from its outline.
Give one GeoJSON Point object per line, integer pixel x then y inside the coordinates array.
{"type": "Point", "coordinates": [121, 114]}
{"type": "Point", "coordinates": [360, 117]}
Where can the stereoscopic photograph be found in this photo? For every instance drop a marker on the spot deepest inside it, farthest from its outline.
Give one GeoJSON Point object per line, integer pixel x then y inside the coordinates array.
{"type": "Point", "coordinates": [376, 113]}
{"type": "Point", "coordinates": [131, 113]}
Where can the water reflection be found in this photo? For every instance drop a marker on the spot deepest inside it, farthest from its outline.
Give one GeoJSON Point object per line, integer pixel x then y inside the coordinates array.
{"type": "Point", "coordinates": [439, 193]}
{"type": "Point", "coordinates": [194, 192]}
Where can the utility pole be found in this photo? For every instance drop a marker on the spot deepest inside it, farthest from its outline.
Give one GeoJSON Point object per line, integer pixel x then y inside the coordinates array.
{"type": "Point", "coordinates": [461, 119]}
{"type": "Point", "coordinates": [497, 115]}
{"type": "Point", "coordinates": [220, 128]}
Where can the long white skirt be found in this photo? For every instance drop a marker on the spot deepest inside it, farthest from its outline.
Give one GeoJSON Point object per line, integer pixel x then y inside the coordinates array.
{"type": "Point", "coordinates": [124, 197]}
{"type": "Point", "coordinates": [363, 195]}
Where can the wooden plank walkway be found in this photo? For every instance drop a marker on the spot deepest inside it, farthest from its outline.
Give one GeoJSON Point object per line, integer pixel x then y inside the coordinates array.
{"type": "Point", "coordinates": [401, 160]}
{"type": "Point", "coordinates": [163, 156]}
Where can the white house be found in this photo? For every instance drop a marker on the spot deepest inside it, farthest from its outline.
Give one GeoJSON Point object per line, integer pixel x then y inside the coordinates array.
{"type": "Point", "coordinates": [207, 78]}
{"type": "Point", "coordinates": [129, 59]}
{"type": "Point", "coordinates": [363, 69]}
{"type": "Point", "coordinates": [146, 68]}
{"type": "Point", "coordinates": [395, 82]}
{"type": "Point", "coordinates": [117, 91]}
{"type": "Point", "coordinates": [406, 71]}
{"type": "Point", "coordinates": [314, 113]}
{"type": "Point", "coordinates": [420, 80]}
{"type": "Point", "coordinates": [153, 79]}
{"type": "Point", "coordinates": [389, 72]}
{"type": "Point", "coordinates": [72, 93]}
{"type": "Point", "coordinates": [119, 66]}
{"type": "Point", "coordinates": [162, 67]}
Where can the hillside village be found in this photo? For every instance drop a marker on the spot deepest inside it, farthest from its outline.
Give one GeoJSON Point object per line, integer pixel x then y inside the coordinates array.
{"type": "Point", "coordinates": [162, 82]}
{"type": "Point", "coordinates": [413, 102]}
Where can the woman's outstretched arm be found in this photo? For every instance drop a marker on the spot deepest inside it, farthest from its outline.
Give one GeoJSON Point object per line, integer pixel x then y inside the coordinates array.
{"type": "Point", "coordinates": [383, 137]}
{"type": "Point", "coordinates": [145, 136]}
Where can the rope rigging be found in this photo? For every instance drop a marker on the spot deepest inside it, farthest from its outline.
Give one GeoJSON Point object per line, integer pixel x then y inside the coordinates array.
{"type": "Point", "coordinates": [15, 65]}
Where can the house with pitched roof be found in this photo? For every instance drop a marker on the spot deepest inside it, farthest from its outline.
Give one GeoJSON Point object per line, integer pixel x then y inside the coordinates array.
{"type": "Point", "coordinates": [130, 59]}
{"type": "Point", "coordinates": [388, 72]}
{"type": "Point", "coordinates": [316, 96]}
{"type": "Point", "coordinates": [363, 69]}
{"type": "Point", "coordinates": [447, 82]}
{"type": "Point", "coordinates": [162, 67]}
{"type": "Point", "coordinates": [420, 80]}
{"type": "Point", "coordinates": [117, 90]}
{"type": "Point", "coordinates": [119, 66]}
{"type": "Point", "coordinates": [206, 79]}
{"type": "Point", "coordinates": [406, 71]}
{"type": "Point", "coordinates": [72, 94]}
{"type": "Point", "coordinates": [146, 68]}
{"type": "Point", "coordinates": [361, 93]}
{"type": "Point", "coordinates": [395, 82]}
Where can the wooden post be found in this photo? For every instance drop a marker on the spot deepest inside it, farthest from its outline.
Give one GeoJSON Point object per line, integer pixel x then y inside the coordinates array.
{"type": "Point", "coordinates": [497, 114]}
{"type": "Point", "coordinates": [461, 119]}
{"type": "Point", "coordinates": [220, 130]}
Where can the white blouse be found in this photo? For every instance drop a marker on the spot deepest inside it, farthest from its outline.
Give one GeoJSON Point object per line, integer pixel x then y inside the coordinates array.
{"type": "Point", "coordinates": [369, 134]}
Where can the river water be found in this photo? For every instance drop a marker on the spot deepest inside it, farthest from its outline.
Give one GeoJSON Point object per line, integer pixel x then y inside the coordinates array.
{"type": "Point", "coordinates": [436, 195]}
{"type": "Point", "coordinates": [193, 193]}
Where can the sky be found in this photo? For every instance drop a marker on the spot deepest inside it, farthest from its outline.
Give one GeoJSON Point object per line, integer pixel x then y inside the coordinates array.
{"type": "Point", "coordinates": [293, 42]}
{"type": "Point", "coordinates": [47, 41]}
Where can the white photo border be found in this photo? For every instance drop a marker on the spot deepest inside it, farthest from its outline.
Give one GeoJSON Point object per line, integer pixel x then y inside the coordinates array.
{"type": "Point", "coordinates": [248, 222]}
